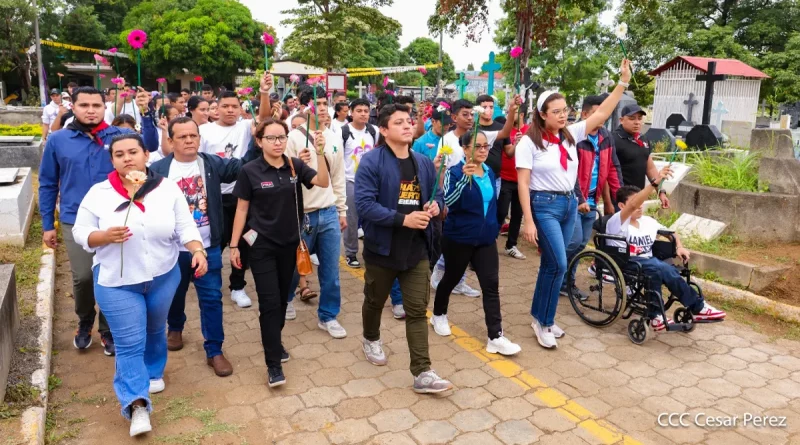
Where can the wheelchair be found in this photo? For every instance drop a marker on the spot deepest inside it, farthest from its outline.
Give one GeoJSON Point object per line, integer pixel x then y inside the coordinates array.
{"type": "Point", "coordinates": [603, 284]}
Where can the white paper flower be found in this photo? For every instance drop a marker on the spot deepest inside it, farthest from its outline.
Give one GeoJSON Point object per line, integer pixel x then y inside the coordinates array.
{"type": "Point", "coordinates": [138, 128]}
{"type": "Point", "coordinates": [246, 105]}
{"type": "Point", "coordinates": [621, 31]}
{"type": "Point", "coordinates": [441, 109]}
{"type": "Point", "coordinates": [478, 109]}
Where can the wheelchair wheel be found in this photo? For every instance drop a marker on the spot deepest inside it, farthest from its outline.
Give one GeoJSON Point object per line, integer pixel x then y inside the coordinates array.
{"type": "Point", "coordinates": [596, 300]}
{"type": "Point", "coordinates": [683, 315]}
{"type": "Point", "coordinates": [637, 330]}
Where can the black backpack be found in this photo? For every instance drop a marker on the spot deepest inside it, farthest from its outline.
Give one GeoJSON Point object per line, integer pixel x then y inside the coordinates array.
{"type": "Point", "coordinates": [346, 134]}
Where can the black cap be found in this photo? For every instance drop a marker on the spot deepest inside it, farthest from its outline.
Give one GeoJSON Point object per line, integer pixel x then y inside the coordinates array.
{"type": "Point", "coordinates": [632, 109]}
{"type": "Point", "coordinates": [274, 96]}
{"type": "Point", "coordinates": [54, 91]}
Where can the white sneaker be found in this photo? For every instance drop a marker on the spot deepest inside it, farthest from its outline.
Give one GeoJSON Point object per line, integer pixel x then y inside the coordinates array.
{"type": "Point", "coordinates": [436, 277]}
{"type": "Point", "coordinates": [465, 290]}
{"type": "Point", "coordinates": [502, 346]}
{"type": "Point", "coordinates": [515, 253]}
{"type": "Point", "coordinates": [398, 312]}
{"type": "Point", "coordinates": [557, 332]}
{"type": "Point", "coordinates": [291, 314]}
{"type": "Point", "coordinates": [360, 233]}
{"type": "Point", "coordinates": [709, 313]}
{"type": "Point", "coordinates": [314, 260]}
{"type": "Point", "coordinates": [240, 298]}
{"type": "Point", "coordinates": [333, 327]}
{"type": "Point", "coordinates": [440, 325]}
{"type": "Point", "coordinates": [373, 351]}
{"type": "Point", "coordinates": [156, 386]}
{"type": "Point", "coordinates": [658, 324]}
{"type": "Point", "coordinates": [545, 335]}
{"type": "Point", "coordinates": [140, 421]}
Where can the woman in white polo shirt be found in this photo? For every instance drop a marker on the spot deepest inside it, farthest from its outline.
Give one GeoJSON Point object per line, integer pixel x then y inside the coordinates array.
{"type": "Point", "coordinates": [547, 170]}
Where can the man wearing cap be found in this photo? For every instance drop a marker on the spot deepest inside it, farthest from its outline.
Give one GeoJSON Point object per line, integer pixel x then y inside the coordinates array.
{"type": "Point", "coordinates": [50, 112]}
{"type": "Point", "coordinates": [634, 153]}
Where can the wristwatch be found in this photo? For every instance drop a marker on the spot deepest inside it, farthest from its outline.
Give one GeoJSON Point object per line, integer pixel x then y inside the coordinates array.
{"type": "Point", "coordinates": [654, 183]}
{"type": "Point", "coordinates": [201, 250]}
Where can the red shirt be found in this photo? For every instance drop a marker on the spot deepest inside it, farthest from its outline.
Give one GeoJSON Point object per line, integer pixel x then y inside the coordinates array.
{"type": "Point", "coordinates": [508, 167]}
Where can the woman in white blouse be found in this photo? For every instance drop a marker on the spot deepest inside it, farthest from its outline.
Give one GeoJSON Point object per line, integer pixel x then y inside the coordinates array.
{"type": "Point", "coordinates": [547, 170]}
{"type": "Point", "coordinates": [135, 273]}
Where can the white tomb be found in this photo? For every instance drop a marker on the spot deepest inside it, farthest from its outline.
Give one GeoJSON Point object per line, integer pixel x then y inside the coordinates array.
{"type": "Point", "coordinates": [16, 205]}
{"type": "Point", "coordinates": [694, 226]}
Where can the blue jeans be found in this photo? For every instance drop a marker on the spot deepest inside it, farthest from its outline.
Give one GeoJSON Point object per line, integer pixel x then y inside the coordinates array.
{"type": "Point", "coordinates": [554, 216]}
{"type": "Point", "coordinates": [396, 295]}
{"type": "Point", "coordinates": [660, 273]}
{"type": "Point", "coordinates": [581, 234]}
{"type": "Point", "coordinates": [209, 296]}
{"type": "Point", "coordinates": [136, 315]}
{"type": "Point", "coordinates": [324, 240]}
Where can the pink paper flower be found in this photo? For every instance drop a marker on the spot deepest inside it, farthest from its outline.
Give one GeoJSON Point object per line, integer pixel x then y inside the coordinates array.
{"type": "Point", "coordinates": [125, 94]}
{"type": "Point", "coordinates": [515, 52]}
{"type": "Point", "coordinates": [268, 39]}
{"type": "Point", "coordinates": [137, 38]}
{"type": "Point", "coordinates": [59, 75]}
{"type": "Point", "coordinates": [245, 91]}
{"type": "Point", "coordinates": [198, 78]}
{"type": "Point", "coordinates": [161, 80]}
{"type": "Point", "coordinates": [294, 78]}
{"type": "Point", "coordinates": [100, 59]}
{"type": "Point", "coordinates": [102, 76]}
{"type": "Point", "coordinates": [385, 81]}
{"type": "Point", "coordinates": [423, 70]}
{"type": "Point", "coordinates": [390, 92]}
{"type": "Point", "coordinates": [313, 81]}
{"type": "Point", "coordinates": [444, 104]}
{"type": "Point", "coordinates": [112, 50]}
{"type": "Point", "coordinates": [118, 81]}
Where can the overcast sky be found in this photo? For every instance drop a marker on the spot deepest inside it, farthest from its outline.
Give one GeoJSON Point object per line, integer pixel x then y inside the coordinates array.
{"type": "Point", "coordinates": [413, 15]}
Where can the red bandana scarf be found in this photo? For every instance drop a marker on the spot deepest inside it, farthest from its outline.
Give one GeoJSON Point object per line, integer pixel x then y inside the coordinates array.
{"type": "Point", "coordinates": [636, 138]}
{"type": "Point", "coordinates": [555, 140]}
{"type": "Point", "coordinates": [153, 180]}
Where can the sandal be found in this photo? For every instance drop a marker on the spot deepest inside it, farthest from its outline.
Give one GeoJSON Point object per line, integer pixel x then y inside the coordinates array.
{"type": "Point", "coordinates": [306, 294]}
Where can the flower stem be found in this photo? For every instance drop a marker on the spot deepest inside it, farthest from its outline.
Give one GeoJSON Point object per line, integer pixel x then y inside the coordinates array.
{"type": "Point", "coordinates": [266, 58]}
{"type": "Point", "coordinates": [625, 53]}
{"type": "Point", "coordinates": [122, 245]}
{"type": "Point", "coordinates": [436, 182]}
{"type": "Point", "coordinates": [516, 74]}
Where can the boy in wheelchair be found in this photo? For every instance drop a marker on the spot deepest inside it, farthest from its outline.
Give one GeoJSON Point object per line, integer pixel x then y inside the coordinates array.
{"type": "Point", "coordinates": [641, 232]}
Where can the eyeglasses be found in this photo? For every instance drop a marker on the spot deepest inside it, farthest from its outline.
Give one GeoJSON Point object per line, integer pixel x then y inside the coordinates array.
{"type": "Point", "coordinates": [482, 147]}
{"type": "Point", "coordinates": [563, 112]}
{"type": "Point", "coordinates": [273, 139]}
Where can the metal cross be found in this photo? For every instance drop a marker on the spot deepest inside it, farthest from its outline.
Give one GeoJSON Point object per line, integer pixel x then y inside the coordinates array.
{"type": "Point", "coordinates": [360, 87]}
{"type": "Point", "coordinates": [691, 102]}
{"type": "Point", "coordinates": [604, 84]}
{"type": "Point", "coordinates": [461, 83]}
{"type": "Point", "coordinates": [491, 67]}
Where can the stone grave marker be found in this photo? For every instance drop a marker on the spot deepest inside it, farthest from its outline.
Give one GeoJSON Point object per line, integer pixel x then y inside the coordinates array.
{"type": "Point", "coordinates": [20, 151]}
{"type": "Point", "coordinates": [9, 322]}
{"type": "Point", "coordinates": [690, 103]}
{"type": "Point", "coordinates": [674, 121]}
{"type": "Point", "coordinates": [16, 206]}
{"type": "Point", "coordinates": [679, 171]}
{"type": "Point", "coordinates": [690, 225]}
{"type": "Point", "coordinates": [658, 135]}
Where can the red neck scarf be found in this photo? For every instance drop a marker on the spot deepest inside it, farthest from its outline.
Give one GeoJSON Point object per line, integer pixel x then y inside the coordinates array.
{"type": "Point", "coordinates": [555, 140]}
{"type": "Point", "coordinates": [636, 138]}
{"type": "Point", "coordinates": [116, 183]}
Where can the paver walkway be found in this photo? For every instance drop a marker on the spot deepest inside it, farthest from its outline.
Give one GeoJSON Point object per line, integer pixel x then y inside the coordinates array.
{"type": "Point", "coordinates": [596, 388]}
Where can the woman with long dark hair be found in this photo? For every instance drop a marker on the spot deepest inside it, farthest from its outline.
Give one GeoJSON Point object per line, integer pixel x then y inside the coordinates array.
{"type": "Point", "coordinates": [197, 109]}
{"type": "Point", "coordinates": [547, 170]}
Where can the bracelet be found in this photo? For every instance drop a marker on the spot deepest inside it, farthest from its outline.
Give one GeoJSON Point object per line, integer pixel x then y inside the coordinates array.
{"type": "Point", "coordinates": [662, 191]}
{"type": "Point", "coordinates": [201, 250]}
{"type": "Point", "coordinates": [654, 183]}
{"type": "Point", "coordinates": [233, 247]}
{"type": "Point", "coordinates": [624, 84]}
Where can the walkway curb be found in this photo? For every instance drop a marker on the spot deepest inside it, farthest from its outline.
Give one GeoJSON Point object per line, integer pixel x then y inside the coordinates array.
{"type": "Point", "coordinates": [33, 419]}
{"type": "Point", "coordinates": [776, 309]}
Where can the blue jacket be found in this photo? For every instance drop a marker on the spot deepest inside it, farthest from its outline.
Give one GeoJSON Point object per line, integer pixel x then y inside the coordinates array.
{"type": "Point", "coordinates": [377, 189]}
{"type": "Point", "coordinates": [216, 171]}
{"type": "Point", "coordinates": [71, 164]}
{"type": "Point", "coordinates": [466, 223]}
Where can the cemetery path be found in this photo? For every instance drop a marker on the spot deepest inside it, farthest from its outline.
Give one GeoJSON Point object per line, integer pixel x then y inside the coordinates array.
{"type": "Point", "coordinates": [596, 388]}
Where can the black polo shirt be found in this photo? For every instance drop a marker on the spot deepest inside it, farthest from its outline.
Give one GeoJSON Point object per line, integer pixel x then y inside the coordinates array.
{"type": "Point", "coordinates": [632, 158]}
{"type": "Point", "coordinates": [271, 193]}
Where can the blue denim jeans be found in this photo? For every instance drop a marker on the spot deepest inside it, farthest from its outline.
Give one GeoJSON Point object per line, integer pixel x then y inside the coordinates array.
{"type": "Point", "coordinates": [660, 273]}
{"type": "Point", "coordinates": [325, 240]}
{"type": "Point", "coordinates": [554, 216]}
{"type": "Point", "coordinates": [209, 296]}
{"type": "Point", "coordinates": [581, 234]}
{"type": "Point", "coordinates": [396, 294]}
{"type": "Point", "coordinates": [136, 316]}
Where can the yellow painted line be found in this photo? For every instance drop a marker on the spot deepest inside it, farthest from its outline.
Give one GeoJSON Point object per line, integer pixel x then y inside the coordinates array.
{"type": "Point", "coordinates": [569, 409]}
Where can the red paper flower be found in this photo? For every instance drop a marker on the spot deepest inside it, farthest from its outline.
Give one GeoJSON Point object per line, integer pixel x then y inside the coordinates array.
{"type": "Point", "coordinates": [423, 70]}
{"type": "Point", "coordinates": [385, 81]}
{"type": "Point", "coordinates": [100, 59]}
{"type": "Point", "coordinates": [515, 52]}
{"type": "Point", "coordinates": [112, 50]}
{"type": "Point", "coordinates": [198, 78]}
{"type": "Point", "coordinates": [102, 76]}
{"type": "Point", "coordinates": [161, 80]}
{"type": "Point", "coordinates": [268, 39]}
{"type": "Point", "coordinates": [137, 38]}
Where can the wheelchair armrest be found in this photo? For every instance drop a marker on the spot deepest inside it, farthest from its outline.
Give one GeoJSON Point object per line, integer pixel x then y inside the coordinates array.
{"type": "Point", "coordinates": [611, 237]}
{"type": "Point", "coordinates": [667, 233]}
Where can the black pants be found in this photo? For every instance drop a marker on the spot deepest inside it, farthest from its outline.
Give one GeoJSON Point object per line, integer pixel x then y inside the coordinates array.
{"type": "Point", "coordinates": [508, 197]}
{"type": "Point", "coordinates": [229, 203]}
{"type": "Point", "coordinates": [484, 259]}
{"type": "Point", "coordinates": [436, 248]}
{"type": "Point", "coordinates": [272, 270]}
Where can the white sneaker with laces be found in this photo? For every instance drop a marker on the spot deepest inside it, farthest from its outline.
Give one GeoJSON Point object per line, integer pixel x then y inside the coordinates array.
{"type": "Point", "coordinates": [657, 323]}
{"type": "Point", "coordinates": [398, 312]}
{"type": "Point", "coordinates": [314, 260]}
{"type": "Point", "coordinates": [373, 351]}
{"type": "Point", "coordinates": [156, 386]}
{"type": "Point", "coordinates": [333, 327]}
{"type": "Point", "coordinates": [436, 277]}
{"type": "Point", "coordinates": [140, 421]}
{"type": "Point", "coordinates": [291, 314]}
{"type": "Point", "coordinates": [557, 332]}
{"type": "Point", "coordinates": [464, 289]}
{"type": "Point", "coordinates": [503, 346]}
{"type": "Point", "coordinates": [440, 325]}
{"type": "Point", "coordinates": [240, 298]}
{"type": "Point", "coordinates": [709, 313]}
{"type": "Point", "coordinates": [545, 336]}
{"type": "Point", "coordinates": [515, 253]}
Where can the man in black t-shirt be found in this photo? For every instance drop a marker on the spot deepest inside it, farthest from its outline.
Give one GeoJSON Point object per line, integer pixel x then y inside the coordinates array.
{"type": "Point", "coordinates": [495, 133]}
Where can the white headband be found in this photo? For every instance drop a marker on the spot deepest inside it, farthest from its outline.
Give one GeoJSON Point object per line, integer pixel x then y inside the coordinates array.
{"type": "Point", "coordinates": [543, 98]}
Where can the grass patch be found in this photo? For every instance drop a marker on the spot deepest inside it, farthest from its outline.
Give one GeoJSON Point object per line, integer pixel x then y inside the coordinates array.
{"type": "Point", "coordinates": [759, 318]}
{"type": "Point", "coordinates": [27, 261]}
{"type": "Point", "coordinates": [738, 172]}
{"type": "Point", "coordinates": [18, 397]}
{"type": "Point", "coordinates": [53, 382]}
{"type": "Point", "coordinates": [725, 245]}
{"type": "Point", "coordinates": [665, 217]}
{"type": "Point", "coordinates": [96, 400]}
{"type": "Point", "coordinates": [181, 408]}
{"type": "Point", "coordinates": [69, 429]}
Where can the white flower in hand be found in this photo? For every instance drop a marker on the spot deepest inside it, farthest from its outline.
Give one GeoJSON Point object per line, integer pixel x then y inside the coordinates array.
{"type": "Point", "coordinates": [478, 109]}
{"type": "Point", "coordinates": [621, 31]}
{"type": "Point", "coordinates": [441, 109]}
{"type": "Point", "coordinates": [137, 177]}
{"type": "Point", "coordinates": [138, 128]}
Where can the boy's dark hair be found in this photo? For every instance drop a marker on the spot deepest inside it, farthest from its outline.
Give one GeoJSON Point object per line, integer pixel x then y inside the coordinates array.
{"type": "Point", "coordinates": [72, 84]}
{"type": "Point", "coordinates": [388, 110]}
{"type": "Point", "coordinates": [173, 97]}
{"type": "Point", "coordinates": [85, 90]}
{"type": "Point", "coordinates": [306, 94]}
{"type": "Point", "coordinates": [359, 103]}
{"type": "Point", "coordinates": [459, 104]}
{"type": "Point", "coordinates": [180, 120]}
{"type": "Point", "coordinates": [123, 119]}
{"type": "Point", "coordinates": [404, 100]}
{"type": "Point", "coordinates": [625, 192]}
{"type": "Point", "coordinates": [228, 95]}
{"type": "Point", "coordinates": [484, 98]}
{"type": "Point", "coordinates": [186, 90]}
{"type": "Point", "coordinates": [338, 93]}
{"type": "Point", "coordinates": [338, 107]}
{"type": "Point", "coordinates": [207, 87]}
{"type": "Point", "coordinates": [288, 96]}
{"type": "Point", "coordinates": [591, 101]}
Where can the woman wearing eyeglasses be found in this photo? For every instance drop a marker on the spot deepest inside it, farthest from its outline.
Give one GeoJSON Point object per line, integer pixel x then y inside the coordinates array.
{"type": "Point", "coordinates": [271, 203]}
{"type": "Point", "coordinates": [470, 236]}
{"type": "Point", "coordinates": [550, 196]}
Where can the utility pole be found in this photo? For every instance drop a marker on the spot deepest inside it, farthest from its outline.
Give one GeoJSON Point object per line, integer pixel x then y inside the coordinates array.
{"type": "Point", "coordinates": [40, 66]}
{"type": "Point", "coordinates": [439, 74]}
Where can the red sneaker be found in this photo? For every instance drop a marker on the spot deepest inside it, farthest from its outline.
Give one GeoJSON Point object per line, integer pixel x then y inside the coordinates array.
{"type": "Point", "coordinates": [710, 313]}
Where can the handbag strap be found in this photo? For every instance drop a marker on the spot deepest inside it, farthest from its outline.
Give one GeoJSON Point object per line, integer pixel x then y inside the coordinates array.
{"type": "Point", "coordinates": [296, 203]}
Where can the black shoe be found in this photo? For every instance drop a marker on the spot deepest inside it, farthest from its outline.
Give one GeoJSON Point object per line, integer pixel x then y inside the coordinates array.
{"type": "Point", "coordinates": [83, 337]}
{"type": "Point", "coordinates": [575, 291]}
{"type": "Point", "coordinates": [353, 262]}
{"type": "Point", "coordinates": [276, 377]}
{"type": "Point", "coordinates": [108, 344]}
{"type": "Point", "coordinates": [284, 355]}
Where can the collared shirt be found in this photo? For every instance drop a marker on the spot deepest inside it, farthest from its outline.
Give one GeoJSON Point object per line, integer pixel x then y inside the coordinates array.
{"type": "Point", "coordinates": [49, 113]}
{"type": "Point", "coordinates": [151, 251]}
{"type": "Point", "coordinates": [271, 192]}
{"type": "Point", "coordinates": [632, 158]}
{"type": "Point", "coordinates": [427, 145]}
{"type": "Point", "coordinates": [547, 174]}
{"type": "Point", "coordinates": [320, 198]}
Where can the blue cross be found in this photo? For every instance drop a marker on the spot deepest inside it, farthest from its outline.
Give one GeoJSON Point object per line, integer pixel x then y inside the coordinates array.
{"type": "Point", "coordinates": [461, 83]}
{"type": "Point", "coordinates": [491, 67]}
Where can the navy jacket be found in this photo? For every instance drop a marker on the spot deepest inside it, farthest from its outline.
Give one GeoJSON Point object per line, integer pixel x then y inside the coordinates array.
{"type": "Point", "coordinates": [466, 223]}
{"type": "Point", "coordinates": [377, 190]}
{"type": "Point", "coordinates": [217, 170]}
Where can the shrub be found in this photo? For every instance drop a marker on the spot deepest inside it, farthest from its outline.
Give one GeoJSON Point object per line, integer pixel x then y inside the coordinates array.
{"type": "Point", "coordinates": [21, 130]}
{"type": "Point", "coordinates": [739, 172]}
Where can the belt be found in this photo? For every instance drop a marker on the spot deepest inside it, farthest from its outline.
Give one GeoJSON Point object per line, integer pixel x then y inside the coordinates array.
{"type": "Point", "coordinates": [569, 193]}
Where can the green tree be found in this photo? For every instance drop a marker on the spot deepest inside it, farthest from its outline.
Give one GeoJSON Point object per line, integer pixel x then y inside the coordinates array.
{"type": "Point", "coordinates": [470, 67]}
{"type": "Point", "coordinates": [16, 36]}
{"type": "Point", "coordinates": [82, 26]}
{"type": "Point", "coordinates": [379, 50]}
{"type": "Point", "coordinates": [784, 68]}
{"type": "Point", "coordinates": [423, 50]}
{"type": "Point", "coordinates": [326, 32]}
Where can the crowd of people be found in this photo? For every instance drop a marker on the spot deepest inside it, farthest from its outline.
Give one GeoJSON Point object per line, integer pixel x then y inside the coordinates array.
{"type": "Point", "coordinates": [428, 186]}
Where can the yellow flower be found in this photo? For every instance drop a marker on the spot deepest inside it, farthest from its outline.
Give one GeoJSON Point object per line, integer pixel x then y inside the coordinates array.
{"type": "Point", "coordinates": [355, 161]}
{"type": "Point", "coordinates": [446, 150]}
{"type": "Point", "coordinates": [681, 145]}
{"type": "Point", "coordinates": [136, 177]}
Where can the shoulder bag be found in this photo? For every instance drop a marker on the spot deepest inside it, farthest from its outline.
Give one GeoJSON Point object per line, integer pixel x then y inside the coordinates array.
{"type": "Point", "coordinates": [303, 256]}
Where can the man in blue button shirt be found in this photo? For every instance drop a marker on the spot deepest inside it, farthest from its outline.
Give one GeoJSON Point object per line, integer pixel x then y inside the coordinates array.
{"type": "Point", "coordinates": [76, 158]}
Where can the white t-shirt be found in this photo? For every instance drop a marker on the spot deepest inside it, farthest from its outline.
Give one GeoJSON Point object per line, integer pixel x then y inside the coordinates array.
{"type": "Point", "coordinates": [450, 139]}
{"type": "Point", "coordinates": [127, 108]}
{"type": "Point", "coordinates": [640, 238]}
{"type": "Point", "coordinates": [226, 142]}
{"type": "Point", "coordinates": [359, 142]}
{"type": "Point", "coordinates": [192, 184]}
{"type": "Point", "coordinates": [547, 174]}
{"type": "Point", "coordinates": [336, 125]}
{"type": "Point", "coordinates": [49, 113]}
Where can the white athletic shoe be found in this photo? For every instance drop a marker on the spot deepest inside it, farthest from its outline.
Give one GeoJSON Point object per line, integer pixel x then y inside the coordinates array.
{"type": "Point", "coordinates": [314, 260]}
{"type": "Point", "coordinates": [545, 335]}
{"type": "Point", "coordinates": [440, 325]}
{"type": "Point", "coordinates": [557, 332]}
{"type": "Point", "coordinates": [140, 421]}
{"type": "Point", "coordinates": [465, 290]}
{"type": "Point", "coordinates": [333, 327]}
{"type": "Point", "coordinates": [502, 346]}
{"type": "Point", "coordinates": [515, 253]}
{"type": "Point", "coordinates": [291, 313]}
{"type": "Point", "coordinates": [240, 298]}
{"type": "Point", "coordinates": [436, 277]}
{"type": "Point", "coordinates": [156, 386]}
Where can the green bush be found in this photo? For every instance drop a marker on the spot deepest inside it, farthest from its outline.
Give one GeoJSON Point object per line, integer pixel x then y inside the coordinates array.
{"type": "Point", "coordinates": [21, 130]}
{"type": "Point", "coordinates": [739, 172]}
{"type": "Point", "coordinates": [665, 217]}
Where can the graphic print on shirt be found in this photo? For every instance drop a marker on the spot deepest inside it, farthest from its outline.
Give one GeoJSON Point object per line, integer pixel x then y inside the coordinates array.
{"type": "Point", "coordinates": [410, 194]}
{"type": "Point", "coordinates": [228, 152]}
{"type": "Point", "coordinates": [195, 193]}
{"type": "Point", "coordinates": [640, 245]}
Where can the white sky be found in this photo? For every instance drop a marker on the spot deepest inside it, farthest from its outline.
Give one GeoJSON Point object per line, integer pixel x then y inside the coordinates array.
{"type": "Point", "coordinates": [413, 15]}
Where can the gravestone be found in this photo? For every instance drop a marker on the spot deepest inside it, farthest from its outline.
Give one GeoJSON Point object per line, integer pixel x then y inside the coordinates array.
{"type": "Point", "coordinates": [659, 135]}
{"type": "Point", "coordinates": [679, 172]}
{"type": "Point", "coordinates": [772, 142]}
{"type": "Point", "coordinates": [16, 205]}
{"type": "Point", "coordinates": [719, 111]}
{"type": "Point", "coordinates": [604, 84]}
{"type": "Point", "coordinates": [20, 151]}
{"type": "Point", "coordinates": [703, 137]}
{"type": "Point", "coordinates": [461, 83]}
{"type": "Point", "coordinates": [360, 87]}
{"type": "Point", "coordinates": [694, 226]}
{"type": "Point", "coordinates": [738, 132]}
{"type": "Point", "coordinates": [9, 321]}
{"type": "Point", "coordinates": [690, 103]}
{"type": "Point", "coordinates": [684, 128]}
{"type": "Point", "coordinates": [674, 121]}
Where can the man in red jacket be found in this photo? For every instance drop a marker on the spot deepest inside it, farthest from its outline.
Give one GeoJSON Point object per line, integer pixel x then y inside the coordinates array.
{"type": "Point", "coordinates": [598, 167]}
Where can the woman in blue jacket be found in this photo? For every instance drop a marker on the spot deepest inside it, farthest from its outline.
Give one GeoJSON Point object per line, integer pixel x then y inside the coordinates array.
{"type": "Point", "coordinates": [469, 236]}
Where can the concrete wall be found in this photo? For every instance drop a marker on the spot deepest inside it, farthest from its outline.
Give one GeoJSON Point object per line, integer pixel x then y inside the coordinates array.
{"type": "Point", "coordinates": [17, 116]}
{"type": "Point", "coordinates": [772, 142]}
{"type": "Point", "coordinates": [9, 321]}
{"type": "Point", "coordinates": [746, 275]}
{"type": "Point", "coordinates": [780, 175]}
{"type": "Point", "coordinates": [750, 216]}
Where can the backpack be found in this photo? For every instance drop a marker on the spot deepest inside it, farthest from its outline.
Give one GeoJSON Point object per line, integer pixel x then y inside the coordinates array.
{"type": "Point", "coordinates": [346, 134]}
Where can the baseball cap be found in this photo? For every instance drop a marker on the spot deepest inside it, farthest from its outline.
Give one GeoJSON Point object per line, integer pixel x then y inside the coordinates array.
{"type": "Point", "coordinates": [54, 92]}
{"type": "Point", "coordinates": [632, 109]}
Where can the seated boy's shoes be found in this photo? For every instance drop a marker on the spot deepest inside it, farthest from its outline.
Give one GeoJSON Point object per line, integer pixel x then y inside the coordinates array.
{"type": "Point", "coordinates": [658, 324]}
{"type": "Point", "coordinates": [709, 313]}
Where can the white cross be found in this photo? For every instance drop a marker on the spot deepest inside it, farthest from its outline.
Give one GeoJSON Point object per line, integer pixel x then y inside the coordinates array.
{"type": "Point", "coordinates": [719, 111]}
{"type": "Point", "coordinates": [604, 83]}
{"type": "Point", "coordinates": [361, 87]}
